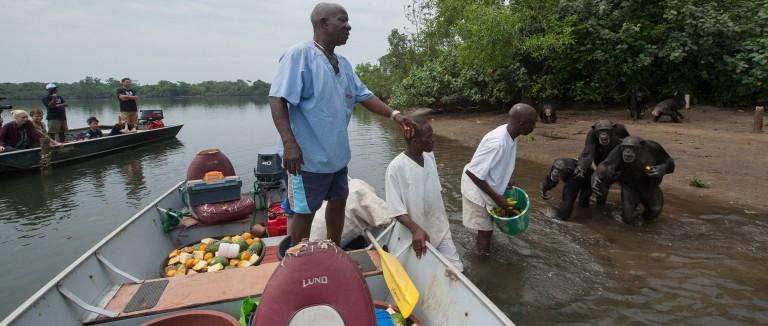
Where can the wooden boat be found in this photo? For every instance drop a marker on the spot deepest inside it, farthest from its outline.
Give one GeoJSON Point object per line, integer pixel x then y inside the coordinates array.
{"type": "Point", "coordinates": [96, 288]}
{"type": "Point", "coordinates": [28, 159]}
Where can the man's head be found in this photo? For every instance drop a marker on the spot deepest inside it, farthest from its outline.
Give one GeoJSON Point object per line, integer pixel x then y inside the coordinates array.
{"type": "Point", "coordinates": [126, 82]}
{"type": "Point", "coordinates": [630, 147]}
{"type": "Point", "coordinates": [36, 114]}
{"type": "Point", "coordinates": [604, 131]}
{"type": "Point", "coordinates": [522, 119]}
{"type": "Point", "coordinates": [51, 88]}
{"type": "Point", "coordinates": [422, 139]}
{"type": "Point", "coordinates": [20, 116]}
{"type": "Point", "coordinates": [93, 123]}
{"type": "Point", "coordinates": [330, 23]}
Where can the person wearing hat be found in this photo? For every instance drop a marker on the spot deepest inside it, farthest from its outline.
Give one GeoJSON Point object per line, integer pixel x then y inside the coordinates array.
{"type": "Point", "coordinates": [57, 114]}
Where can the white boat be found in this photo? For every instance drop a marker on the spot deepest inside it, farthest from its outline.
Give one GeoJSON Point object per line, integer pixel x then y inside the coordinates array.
{"type": "Point", "coordinates": [96, 287]}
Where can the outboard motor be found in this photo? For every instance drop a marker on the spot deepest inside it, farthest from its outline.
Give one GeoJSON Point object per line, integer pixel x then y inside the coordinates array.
{"type": "Point", "coordinates": [271, 189]}
{"type": "Point", "coordinates": [150, 119]}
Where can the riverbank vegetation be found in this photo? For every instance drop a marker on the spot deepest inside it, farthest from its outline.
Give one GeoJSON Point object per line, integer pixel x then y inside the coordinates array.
{"type": "Point", "coordinates": [95, 88]}
{"type": "Point", "coordinates": [493, 53]}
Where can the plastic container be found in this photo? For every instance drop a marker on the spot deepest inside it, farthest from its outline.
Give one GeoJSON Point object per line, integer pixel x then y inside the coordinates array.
{"type": "Point", "coordinates": [515, 225]}
{"type": "Point", "coordinates": [200, 192]}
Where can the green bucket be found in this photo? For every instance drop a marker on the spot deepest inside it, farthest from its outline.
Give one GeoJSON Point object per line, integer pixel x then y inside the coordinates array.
{"type": "Point", "coordinates": [515, 225]}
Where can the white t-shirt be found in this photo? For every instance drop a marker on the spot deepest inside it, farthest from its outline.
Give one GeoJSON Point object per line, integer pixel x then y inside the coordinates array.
{"type": "Point", "coordinates": [415, 190]}
{"type": "Point", "coordinates": [493, 162]}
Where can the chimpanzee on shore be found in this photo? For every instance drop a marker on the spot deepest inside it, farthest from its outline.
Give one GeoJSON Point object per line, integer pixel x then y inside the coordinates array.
{"type": "Point", "coordinates": [547, 111]}
{"type": "Point", "coordinates": [562, 170]}
{"type": "Point", "coordinates": [636, 104]}
{"type": "Point", "coordinates": [604, 136]}
{"type": "Point", "coordinates": [670, 107]}
{"type": "Point", "coordinates": [640, 165]}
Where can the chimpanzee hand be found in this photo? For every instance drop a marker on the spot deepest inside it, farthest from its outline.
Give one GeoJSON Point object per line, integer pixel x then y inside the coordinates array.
{"type": "Point", "coordinates": [544, 194]}
{"type": "Point", "coordinates": [578, 173]}
{"type": "Point", "coordinates": [656, 171]}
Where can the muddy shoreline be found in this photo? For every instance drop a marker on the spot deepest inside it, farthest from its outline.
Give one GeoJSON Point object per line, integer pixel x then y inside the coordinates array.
{"type": "Point", "coordinates": [714, 144]}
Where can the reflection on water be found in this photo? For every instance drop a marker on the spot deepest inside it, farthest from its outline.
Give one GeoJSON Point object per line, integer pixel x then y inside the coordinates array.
{"type": "Point", "coordinates": [700, 263]}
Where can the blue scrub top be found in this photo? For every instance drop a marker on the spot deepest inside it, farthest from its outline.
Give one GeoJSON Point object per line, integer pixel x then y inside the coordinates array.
{"type": "Point", "coordinates": [320, 104]}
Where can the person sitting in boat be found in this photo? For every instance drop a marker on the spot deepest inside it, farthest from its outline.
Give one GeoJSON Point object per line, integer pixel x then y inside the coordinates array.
{"type": "Point", "coordinates": [93, 131]}
{"type": "Point", "coordinates": [20, 133]}
{"type": "Point", "coordinates": [122, 127]}
{"type": "Point", "coordinates": [37, 120]}
{"type": "Point", "coordinates": [414, 196]}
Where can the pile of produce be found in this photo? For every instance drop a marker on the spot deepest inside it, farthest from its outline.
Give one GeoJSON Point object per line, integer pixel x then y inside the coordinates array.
{"type": "Point", "coordinates": [212, 255]}
{"type": "Point", "coordinates": [511, 209]}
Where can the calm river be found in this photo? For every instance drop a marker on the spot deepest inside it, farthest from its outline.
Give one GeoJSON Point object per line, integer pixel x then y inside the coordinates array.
{"type": "Point", "coordinates": [699, 264]}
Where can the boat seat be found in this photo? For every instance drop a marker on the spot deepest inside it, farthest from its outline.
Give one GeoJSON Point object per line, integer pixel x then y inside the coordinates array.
{"type": "Point", "coordinates": [211, 288]}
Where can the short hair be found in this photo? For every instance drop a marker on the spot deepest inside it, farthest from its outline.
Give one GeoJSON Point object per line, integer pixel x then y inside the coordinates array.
{"type": "Point", "coordinates": [92, 119]}
{"type": "Point", "coordinates": [35, 111]}
{"type": "Point", "coordinates": [421, 122]}
{"type": "Point", "coordinates": [14, 113]}
{"type": "Point", "coordinates": [124, 79]}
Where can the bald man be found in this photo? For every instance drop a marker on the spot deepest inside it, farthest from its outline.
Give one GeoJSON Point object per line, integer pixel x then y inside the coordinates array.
{"type": "Point", "coordinates": [490, 171]}
{"type": "Point", "coordinates": [312, 98]}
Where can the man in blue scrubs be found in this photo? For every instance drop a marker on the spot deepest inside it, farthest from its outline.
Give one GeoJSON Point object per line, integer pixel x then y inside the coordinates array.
{"type": "Point", "coordinates": [312, 98]}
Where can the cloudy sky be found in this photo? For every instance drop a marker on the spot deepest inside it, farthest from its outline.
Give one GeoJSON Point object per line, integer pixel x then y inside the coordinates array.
{"type": "Point", "coordinates": [177, 40]}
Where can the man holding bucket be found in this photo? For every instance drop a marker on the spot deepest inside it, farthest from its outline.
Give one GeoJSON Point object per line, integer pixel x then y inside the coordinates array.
{"type": "Point", "coordinates": [488, 173]}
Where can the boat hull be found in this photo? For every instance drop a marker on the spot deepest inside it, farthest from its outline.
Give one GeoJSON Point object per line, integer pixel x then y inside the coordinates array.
{"type": "Point", "coordinates": [29, 159]}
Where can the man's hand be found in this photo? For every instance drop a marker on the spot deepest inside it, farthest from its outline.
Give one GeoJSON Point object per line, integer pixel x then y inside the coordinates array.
{"type": "Point", "coordinates": [56, 144]}
{"type": "Point", "coordinates": [419, 242]}
{"type": "Point", "coordinates": [409, 127]}
{"type": "Point", "coordinates": [292, 158]}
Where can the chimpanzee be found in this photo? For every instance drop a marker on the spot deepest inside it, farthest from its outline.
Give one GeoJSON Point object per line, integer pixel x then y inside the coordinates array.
{"type": "Point", "coordinates": [670, 107]}
{"type": "Point", "coordinates": [636, 104]}
{"type": "Point", "coordinates": [640, 165]}
{"type": "Point", "coordinates": [562, 170]}
{"type": "Point", "coordinates": [604, 136]}
{"type": "Point", "coordinates": [547, 111]}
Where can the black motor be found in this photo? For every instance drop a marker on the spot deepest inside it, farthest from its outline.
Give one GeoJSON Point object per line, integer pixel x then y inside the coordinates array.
{"type": "Point", "coordinates": [5, 107]}
{"type": "Point", "coordinates": [269, 168]}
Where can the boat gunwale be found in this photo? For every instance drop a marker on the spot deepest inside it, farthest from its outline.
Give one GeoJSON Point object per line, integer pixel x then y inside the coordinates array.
{"type": "Point", "coordinates": [51, 285]}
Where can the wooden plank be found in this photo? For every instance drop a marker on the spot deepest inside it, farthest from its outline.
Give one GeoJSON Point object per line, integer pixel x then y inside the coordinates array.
{"type": "Point", "coordinates": [198, 290]}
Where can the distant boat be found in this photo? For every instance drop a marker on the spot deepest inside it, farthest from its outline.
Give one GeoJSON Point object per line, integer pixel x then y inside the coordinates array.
{"type": "Point", "coordinates": [29, 159]}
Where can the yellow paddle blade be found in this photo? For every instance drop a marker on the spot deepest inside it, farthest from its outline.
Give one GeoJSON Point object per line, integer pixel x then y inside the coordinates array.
{"type": "Point", "coordinates": [406, 294]}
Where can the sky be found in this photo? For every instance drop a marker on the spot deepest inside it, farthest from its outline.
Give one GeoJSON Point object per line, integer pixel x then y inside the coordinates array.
{"type": "Point", "coordinates": [176, 40]}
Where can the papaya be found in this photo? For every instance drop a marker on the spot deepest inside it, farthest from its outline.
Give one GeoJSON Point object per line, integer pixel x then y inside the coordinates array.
{"type": "Point", "coordinates": [215, 267]}
{"type": "Point", "coordinates": [170, 273]}
{"type": "Point", "coordinates": [219, 260]}
{"type": "Point", "coordinates": [174, 253]}
{"type": "Point", "coordinates": [227, 238]}
{"type": "Point", "coordinates": [250, 241]}
{"type": "Point", "coordinates": [243, 264]}
{"type": "Point", "coordinates": [214, 247]}
{"type": "Point", "coordinates": [247, 235]}
{"type": "Point", "coordinates": [233, 262]}
{"type": "Point", "coordinates": [208, 256]}
{"type": "Point", "coordinates": [255, 248]}
{"type": "Point", "coordinates": [203, 246]}
{"type": "Point", "coordinates": [243, 244]}
{"type": "Point", "coordinates": [188, 250]}
{"type": "Point", "coordinates": [246, 255]}
{"type": "Point", "coordinates": [196, 247]}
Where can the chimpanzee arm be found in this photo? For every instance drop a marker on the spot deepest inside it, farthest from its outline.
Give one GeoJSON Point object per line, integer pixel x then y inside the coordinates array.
{"type": "Point", "coordinates": [588, 154]}
{"type": "Point", "coordinates": [547, 184]}
{"type": "Point", "coordinates": [609, 168]}
{"type": "Point", "coordinates": [570, 192]}
{"type": "Point", "coordinates": [664, 162]}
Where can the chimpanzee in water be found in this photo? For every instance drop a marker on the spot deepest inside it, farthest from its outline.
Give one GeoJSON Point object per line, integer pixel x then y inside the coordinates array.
{"type": "Point", "coordinates": [547, 111]}
{"type": "Point", "coordinates": [563, 170]}
{"type": "Point", "coordinates": [636, 104]}
{"type": "Point", "coordinates": [670, 107]}
{"type": "Point", "coordinates": [604, 137]}
{"type": "Point", "coordinates": [640, 165]}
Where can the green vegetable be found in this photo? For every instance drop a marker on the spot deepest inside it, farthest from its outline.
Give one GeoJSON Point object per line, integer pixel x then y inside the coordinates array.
{"type": "Point", "coordinates": [243, 244]}
{"type": "Point", "coordinates": [398, 319]}
{"type": "Point", "coordinates": [219, 260]}
{"type": "Point", "coordinates": [255, 247]}
{"type": "Point", "coordinates": [214, 247]}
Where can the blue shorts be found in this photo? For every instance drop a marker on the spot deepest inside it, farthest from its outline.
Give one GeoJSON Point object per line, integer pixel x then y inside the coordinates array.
{"type": "Point", "coordinates": [317, 188]}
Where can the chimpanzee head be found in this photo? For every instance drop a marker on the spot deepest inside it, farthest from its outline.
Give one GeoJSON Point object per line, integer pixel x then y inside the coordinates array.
{"type": "Point", "coordinates": [630, 146]}
{"type": "Point", "coordinates": [604, 131]}
{"type": "Point", "coordinates": [560, 170]}
{"type": "Point", "coordinates": [639, 95]}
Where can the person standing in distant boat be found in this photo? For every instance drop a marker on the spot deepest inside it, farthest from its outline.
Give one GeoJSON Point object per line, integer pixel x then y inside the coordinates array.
{"type": "Point", "coordinates": [127, 97]}
{"type": "Point", "coordinates": [312, 98]}
{"type": "Point", "coordinates": [57, 114]}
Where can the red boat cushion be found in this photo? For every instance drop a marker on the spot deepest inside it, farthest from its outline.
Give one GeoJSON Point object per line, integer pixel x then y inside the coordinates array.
{"type": "Point", "coordinates": [209, 160]}
{"type": "Point", "coordinates": [224, 211]}
{"type": "Point", "coordinates": [320, 274]}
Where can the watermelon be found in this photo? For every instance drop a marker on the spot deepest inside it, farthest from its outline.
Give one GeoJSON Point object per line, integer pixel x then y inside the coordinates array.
{"type": "Point", "coordinates": [219, 260]}
{"type": "Point", "coordinates": [255, 247]}
{"type": "Point", "coordinates": [243, 244]}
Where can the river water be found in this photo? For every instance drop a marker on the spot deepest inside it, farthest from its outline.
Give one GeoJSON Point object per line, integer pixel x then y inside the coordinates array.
{"type": "Point", "coordinates": [700, 263]}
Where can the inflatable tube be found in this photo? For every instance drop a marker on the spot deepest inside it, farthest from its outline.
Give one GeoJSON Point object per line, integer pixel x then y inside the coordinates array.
{"type": "Point", "coordinates": [209, 160]}
{"type": "Point", "coordinates": [319, 282]}
{"type": "Point", "coordinates": [222, 212]}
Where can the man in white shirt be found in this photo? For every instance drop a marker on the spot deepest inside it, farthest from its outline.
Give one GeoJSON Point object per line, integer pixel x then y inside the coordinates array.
{"type": "Point", "coordinates": [414, 196]}
{"type": "Point", "coordinates": [489, 173]}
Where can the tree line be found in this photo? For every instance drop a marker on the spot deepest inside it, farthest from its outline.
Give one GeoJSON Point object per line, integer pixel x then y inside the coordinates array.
{"type": "Point", "coordinates": [494, 52]}
{"type": "Point", "coordinates": [95, 88]}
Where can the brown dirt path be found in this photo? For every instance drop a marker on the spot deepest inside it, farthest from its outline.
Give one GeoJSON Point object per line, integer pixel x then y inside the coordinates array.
{"type": "Point", "coordinates": [714, 144]}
